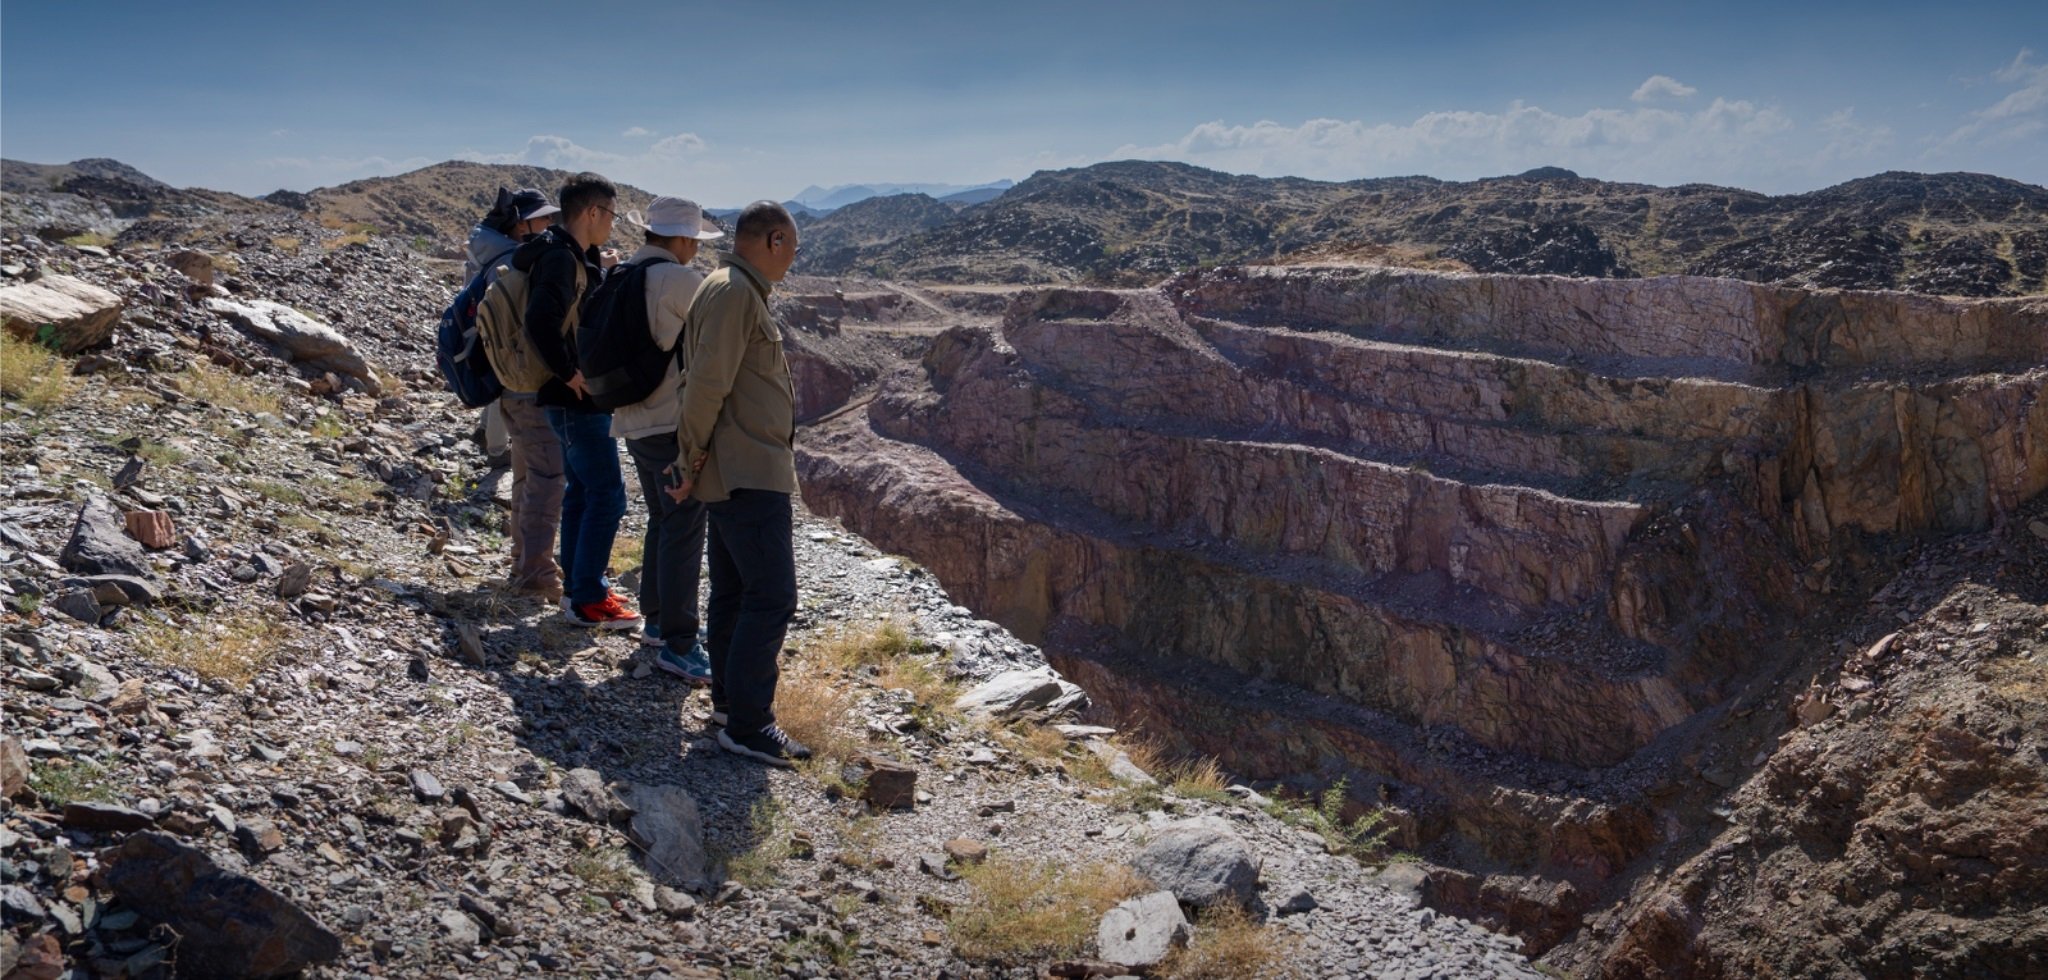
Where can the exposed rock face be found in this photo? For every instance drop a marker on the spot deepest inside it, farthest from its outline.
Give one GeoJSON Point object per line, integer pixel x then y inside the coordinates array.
{"type": "Point", "coordinates": [230, 925]}
{"type": "Point", "coordinates": [69, 314]}
{"type": "Point", "coordinates": [302, 338]}
{"type": "Point", "coordinates": [1499, 547]}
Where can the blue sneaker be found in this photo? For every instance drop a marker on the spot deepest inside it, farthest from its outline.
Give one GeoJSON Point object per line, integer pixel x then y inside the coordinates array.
{"type": "Point", "coordinates": [650, 635]}
{"type": "Point", "coordinates": [694, 667]}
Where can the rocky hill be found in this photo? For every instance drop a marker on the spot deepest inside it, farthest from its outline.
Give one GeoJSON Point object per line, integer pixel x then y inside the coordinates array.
{"type": "Point", "coordinates": [438, 204]}
{"type": "Point", "coordinates": [1136, 222]}
{"type": "Point", "coordinates": [837, 238]}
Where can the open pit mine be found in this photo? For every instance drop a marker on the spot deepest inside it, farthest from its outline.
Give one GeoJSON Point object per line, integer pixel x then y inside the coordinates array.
{"type": "Point", "coordinates": [1684, 626]}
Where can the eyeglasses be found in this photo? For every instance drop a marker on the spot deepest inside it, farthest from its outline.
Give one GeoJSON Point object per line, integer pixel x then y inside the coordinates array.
{"type": "Point", "coordinates": [614, 214]}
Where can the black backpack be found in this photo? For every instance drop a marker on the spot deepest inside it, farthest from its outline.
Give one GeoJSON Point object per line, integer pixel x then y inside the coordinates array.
{"type": "Point", "coordinates": [615, 347]}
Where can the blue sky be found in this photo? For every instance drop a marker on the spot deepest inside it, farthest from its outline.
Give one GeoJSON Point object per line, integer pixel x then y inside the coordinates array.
{"type": "Point", "coordinates": [730, 102]}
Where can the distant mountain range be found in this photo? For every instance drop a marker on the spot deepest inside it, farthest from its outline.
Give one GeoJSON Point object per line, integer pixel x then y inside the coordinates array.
{"type": "Point", "coordinates": [832, 198]}
{"type": "Point", "coordinates": [1135, 222]}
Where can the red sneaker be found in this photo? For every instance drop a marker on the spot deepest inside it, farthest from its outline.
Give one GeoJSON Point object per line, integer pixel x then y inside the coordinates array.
{"type": "Point", "coordinates": [610, 614]}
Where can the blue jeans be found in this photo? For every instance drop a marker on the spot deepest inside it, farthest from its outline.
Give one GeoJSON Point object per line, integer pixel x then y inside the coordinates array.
{"type": "Point", "coordinates": [753, 597]}
{"type": "Point", "coordinates": [592, 503]}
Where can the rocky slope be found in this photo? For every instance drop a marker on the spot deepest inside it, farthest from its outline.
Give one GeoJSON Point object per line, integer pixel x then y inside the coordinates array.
{"type": "Point", "coordinates": [265, 709]}
{"type": "Point", "coordinates": [1521, 557]}
{"type": "Point", "coordinates": [438, 203]}
{"type": "Point", "coordinates": [1132, 223]}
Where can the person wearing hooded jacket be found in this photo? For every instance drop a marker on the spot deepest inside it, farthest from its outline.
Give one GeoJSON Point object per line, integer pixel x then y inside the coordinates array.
{"type": "Point", "coordinates": [515, 421]}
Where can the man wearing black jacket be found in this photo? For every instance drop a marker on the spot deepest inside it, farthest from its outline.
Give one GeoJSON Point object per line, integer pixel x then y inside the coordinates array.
{"type": "Point", "coordinates": [563, 265]}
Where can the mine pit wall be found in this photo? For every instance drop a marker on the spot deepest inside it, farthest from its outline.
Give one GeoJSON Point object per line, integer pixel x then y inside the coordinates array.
{"type": "Point", "coordinates": [1045, 471]}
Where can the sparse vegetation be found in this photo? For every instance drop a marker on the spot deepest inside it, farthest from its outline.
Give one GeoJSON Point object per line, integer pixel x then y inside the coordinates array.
{"type": "Point", "coordinates": [60, 781]}
{"type": "Point", "coordinates": [756, 866]}
{"type": "Point", "coordinates": [329, 426]}
{"type": "Point", "coordinates": [1229, 944]}
{"type": "Point", "coordinates": [278, 491]}
{"type": "Point", "coordinates": [230, 650]}
{"type": "Point", "coordinates": [33, 374]}
{"type": "Point", "coordinates": [1197, 779]}
{"type": "Point", "coordinates": [1020, 910]}
{"type": "Point", "coordinates": [605, 869]}
{"type": "Point", "coordinates": [91, 239]}
{"type": "Point", "coordinates": [215, 385]}
{"type": "Point", "coordinates": [1363, 837]}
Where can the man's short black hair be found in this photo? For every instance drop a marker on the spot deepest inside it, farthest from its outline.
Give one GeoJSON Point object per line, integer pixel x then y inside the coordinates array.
{"type": "Point", "coordinates": [584, 190]}
{"type": "Point", "coordinates": [650, 238]}
{"type": "Point", "coordinates": [760, 219]}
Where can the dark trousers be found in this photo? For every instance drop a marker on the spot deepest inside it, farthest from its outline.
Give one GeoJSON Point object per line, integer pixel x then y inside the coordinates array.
{"type": "Point", "coordinates": [753, 597]}
{"type": "Point", "coordinates": [673, 552]}
{"type": "Point", "coordinates": [592, 503]}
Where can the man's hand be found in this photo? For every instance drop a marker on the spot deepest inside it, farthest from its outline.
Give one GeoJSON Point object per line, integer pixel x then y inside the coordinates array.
{"type": "Point", "coordinates": [678, 482]}
{"type": "Point", "coordinates": [576, 385]}
{"type": "Point", "coordinates": [608, 257]}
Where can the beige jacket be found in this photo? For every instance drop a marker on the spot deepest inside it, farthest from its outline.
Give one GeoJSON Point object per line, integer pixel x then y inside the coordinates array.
{"type": "Point", "coordinates": [670, 285]}
{"type": "Point", "coordinates": [738, 406]}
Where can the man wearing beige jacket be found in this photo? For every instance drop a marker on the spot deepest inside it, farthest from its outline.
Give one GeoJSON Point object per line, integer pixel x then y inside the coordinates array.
{"type": "Point", "coordinates": [735, 432]}
{"type": "Point", "coordinates": [672, 552]}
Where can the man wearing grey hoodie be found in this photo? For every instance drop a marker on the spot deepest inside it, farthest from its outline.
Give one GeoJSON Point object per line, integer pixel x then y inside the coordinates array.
{"type": "Point", "coordinates": [537, 478]}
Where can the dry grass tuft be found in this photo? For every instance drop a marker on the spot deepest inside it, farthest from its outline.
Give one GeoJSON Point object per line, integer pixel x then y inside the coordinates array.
{"type": "Point", "coordinates": [817, 709]}
{"type": "Point", "coordinates": [233, 650]}
{"type": "Point", "coordinates": [216, 385]}
{"type": "Point", "coordinates": [1020, 910]}
{"type": "Point", "coordinates": [1197, 779]}
{"type": "Point", "coordinates": [1230, 945]}
{"type": "Point", "coordinates": [33, 374]}
{"type": "Point", "coordinates": [871, 647]}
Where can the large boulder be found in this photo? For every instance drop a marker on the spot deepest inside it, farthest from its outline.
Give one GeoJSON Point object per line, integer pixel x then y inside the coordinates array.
{"type": "Point", "coordinates": [230, 925]}
{"type": "Point", "coordinates": [305, 340]}
{"type": "Point", "coordinates": [1202, 861]}
{"type": "Point", "coordinates": [100, 544]}
{"type": "Point", "coordinates": [670, 833]}
{"type": "Point", "coordinates": [68, 314]}
{"type": "Point", "coordinates": [1141, 932]}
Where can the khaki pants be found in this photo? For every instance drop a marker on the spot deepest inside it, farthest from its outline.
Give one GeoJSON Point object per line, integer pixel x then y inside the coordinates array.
{"type": "Point", "coordinates": [536, 495]}
{"type": "Point", "coordinates": [494, 429]}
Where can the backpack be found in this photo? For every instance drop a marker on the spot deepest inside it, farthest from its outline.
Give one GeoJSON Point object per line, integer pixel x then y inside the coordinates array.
{"type": "Point", "coordinates": [615, 346]}
{"type": "Point", "coordinates": [501, 323]}
{"type": "Point", "coordinates": [458, 350]}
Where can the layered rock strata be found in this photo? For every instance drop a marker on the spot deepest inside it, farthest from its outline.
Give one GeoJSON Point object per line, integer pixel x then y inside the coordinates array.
{"type": "Point", "coordinates": [1496, 546]}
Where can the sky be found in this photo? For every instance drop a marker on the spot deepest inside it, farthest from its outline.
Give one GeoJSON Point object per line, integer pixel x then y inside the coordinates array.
{"type": "Point", "coordinates": [727, 102]}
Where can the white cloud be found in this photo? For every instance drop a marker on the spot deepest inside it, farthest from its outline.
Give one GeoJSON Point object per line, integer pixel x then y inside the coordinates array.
{"type": "Point", "coordinates": [681, 144]}
{"type": "Point", "coordinates": [637, 132]}
{"type": "Point", "coordinates": [2022, 113]}
{"type": "Point", "coordinates": [1662, 87]}
{"type": "Point", "coordinates": [325, 170]}
{"type": "Point", "coordinates": [1727, 137]}
{"type": "Point", "coordinates": [566, 154]}
{"type": "Point", "coordinates": [1852, 140]}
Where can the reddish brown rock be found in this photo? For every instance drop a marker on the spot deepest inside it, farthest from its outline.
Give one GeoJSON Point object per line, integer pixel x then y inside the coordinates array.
{"type": "Point", "coordinates": [153, 528]}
